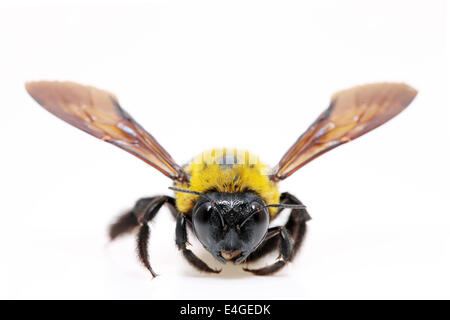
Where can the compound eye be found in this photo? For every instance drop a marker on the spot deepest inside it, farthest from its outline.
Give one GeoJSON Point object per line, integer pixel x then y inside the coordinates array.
{"type": "Point", "coordinates": [256, 206]}
{"type": "Point", "coordinates": [260, 215]}
{"type": "Point", "coordinates": [203, 213]}
{"type": "Point", "coordinates": [257, 222]}
{"type": "Point", "coordinates": [206, 223]}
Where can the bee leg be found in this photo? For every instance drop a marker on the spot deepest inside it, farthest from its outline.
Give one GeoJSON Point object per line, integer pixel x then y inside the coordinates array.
{"type": "Point", "coordinates": [181, 241]}
{"type": "Point", "coordinates": [267, 246]}
{"type": "Point", "coordinates": [296, 224]}
{"type": "Point", "coordinates": [295, 227]}
{"type": "Point", "coordinates": [285, 252]}
{"type": "Point", "coordinates": [142, 246]}
{"type": "Point", "coordinates": [129, 220]}
{"type": "Point", "coordinates": [124, 224]}
{"type": "Point", "coordinates": [144, 210]}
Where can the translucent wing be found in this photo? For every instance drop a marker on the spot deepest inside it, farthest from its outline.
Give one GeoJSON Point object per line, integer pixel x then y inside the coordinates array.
{"type": "Point", "coordinates": [98, 113]}
{"type": "Point", "coordinates": [351, 113]}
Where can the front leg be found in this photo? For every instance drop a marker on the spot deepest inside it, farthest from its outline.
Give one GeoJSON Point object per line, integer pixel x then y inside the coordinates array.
{"type": "Point", "coordinates": [182, 240]}
{"type": "Point", "coordinates": [144, 210]}
{"type": "Point", "coordinates": [294, 228]}
{"type": "Point", "coordinates": [285, 252]}
{"type": "Point", "coordinates": [296, 225]}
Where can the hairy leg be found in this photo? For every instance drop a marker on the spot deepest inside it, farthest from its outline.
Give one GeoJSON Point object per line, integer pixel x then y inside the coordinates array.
{"type": "Point", "coordinates": [285, 249]}
{"type": "Point", "coordinates": [126, 223]}
{"type": "Point", "coordinates": [296, 230]}
{"type": "Point", "coordinates": [144, 211]}
{"type": "Point", "coordinates": [296, 225]}
{"type": "Point", "coordinates": [181, 241]}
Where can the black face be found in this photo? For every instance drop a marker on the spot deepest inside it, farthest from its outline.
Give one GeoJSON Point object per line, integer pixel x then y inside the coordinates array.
{"type": "Point", "coordinates": [231, 225]}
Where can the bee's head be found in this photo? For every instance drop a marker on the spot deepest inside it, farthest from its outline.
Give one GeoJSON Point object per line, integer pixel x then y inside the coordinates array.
{"type": "Point", "coordinates": [230, 225]}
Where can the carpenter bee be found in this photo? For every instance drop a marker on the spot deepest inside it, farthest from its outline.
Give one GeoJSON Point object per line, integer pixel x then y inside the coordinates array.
{"type": "Point", "coordinates": [227, 197]}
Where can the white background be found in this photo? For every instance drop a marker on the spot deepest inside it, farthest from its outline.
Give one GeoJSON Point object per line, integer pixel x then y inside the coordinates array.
{"type": "Point", "coordinates": [246, 74]}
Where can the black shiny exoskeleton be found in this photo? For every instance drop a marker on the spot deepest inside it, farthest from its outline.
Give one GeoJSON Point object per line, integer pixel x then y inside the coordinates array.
{"type": "Point", "coordinates": [231, 226]}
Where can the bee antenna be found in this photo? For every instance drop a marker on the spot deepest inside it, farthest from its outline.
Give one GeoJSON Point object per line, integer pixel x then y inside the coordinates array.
{"type": "Point", "coordinates": [192, 192]}
{"type": "Point", "coordinates": [285, 206]}
{"type": "Point", "coordinates": [275, 205]}
{"type": "Point", "coordinates": [204, 196]}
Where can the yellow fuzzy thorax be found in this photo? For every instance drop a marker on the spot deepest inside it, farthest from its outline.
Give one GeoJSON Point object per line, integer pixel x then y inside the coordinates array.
{"type": "Point", "coordinates": [226, 170]}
